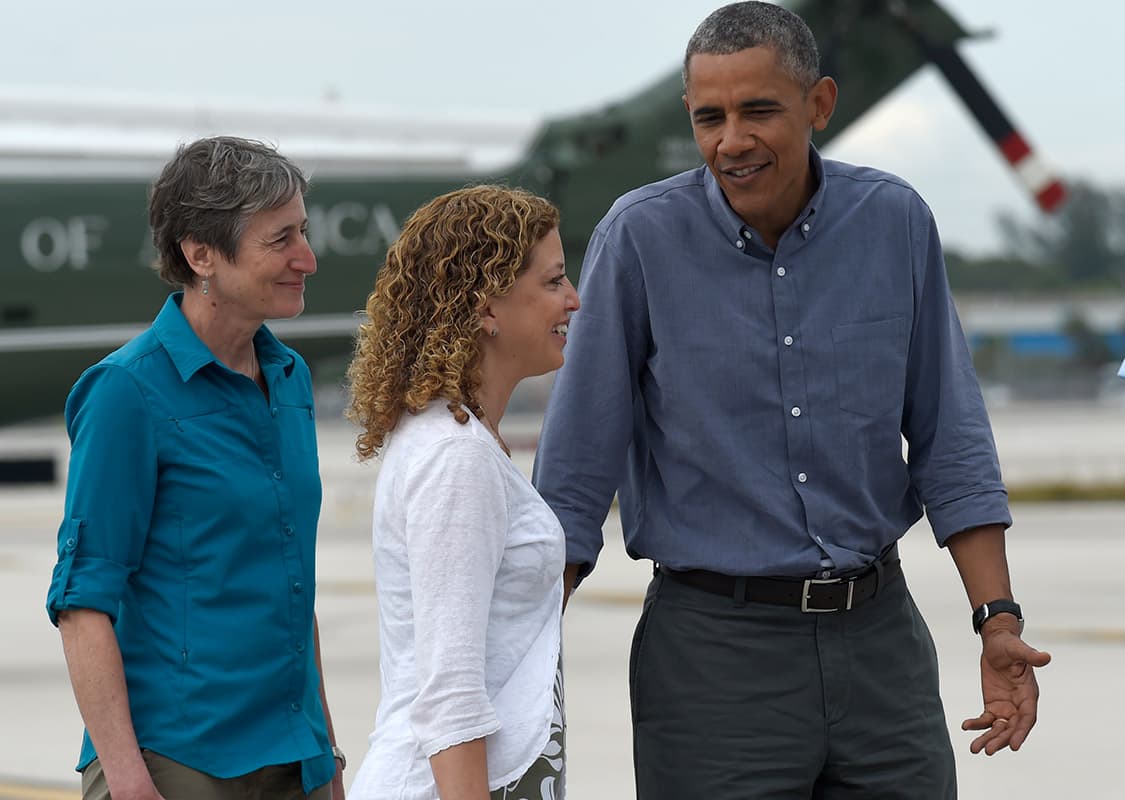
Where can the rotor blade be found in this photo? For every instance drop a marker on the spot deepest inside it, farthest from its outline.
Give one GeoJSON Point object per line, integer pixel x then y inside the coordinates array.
{"type": "Point", "coordinates": [1047, 189]}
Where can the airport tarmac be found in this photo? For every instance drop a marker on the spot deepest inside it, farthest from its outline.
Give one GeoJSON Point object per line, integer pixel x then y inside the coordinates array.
{"type": "Point", "coordinates": [1067, 563]}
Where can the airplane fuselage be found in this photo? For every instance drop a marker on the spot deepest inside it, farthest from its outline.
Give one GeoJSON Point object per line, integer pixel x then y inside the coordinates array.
{"type": "Point", "coordinates": [75, 266]}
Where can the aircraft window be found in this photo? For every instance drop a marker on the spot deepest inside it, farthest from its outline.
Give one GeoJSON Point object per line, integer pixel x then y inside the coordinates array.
{"type": "Point", "coordinates": [601, 140]}
{"type": "Point", "coordinates": [27, 470]}
{"type": "Point", "coordinates": [16, 315]}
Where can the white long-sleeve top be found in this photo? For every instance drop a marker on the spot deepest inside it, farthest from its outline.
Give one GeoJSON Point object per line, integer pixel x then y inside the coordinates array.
{"type": "Point", "coordinates": [468, 576]}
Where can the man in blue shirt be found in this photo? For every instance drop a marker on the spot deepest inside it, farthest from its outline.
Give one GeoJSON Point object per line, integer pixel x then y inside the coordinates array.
{"type": "Point", "coordinates": [185, 583]}
{"type": "Point", "coordinates": [756, 338]}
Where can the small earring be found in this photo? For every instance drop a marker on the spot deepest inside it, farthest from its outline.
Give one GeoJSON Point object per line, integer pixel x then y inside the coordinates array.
{"type": "Point", "coordinates": [494, 332]}
{"type": "Point", "coordinates": [206, 286]}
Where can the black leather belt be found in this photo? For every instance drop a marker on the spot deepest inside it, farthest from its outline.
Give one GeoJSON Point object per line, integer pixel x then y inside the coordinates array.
{"type": "Point", "coordinates": [811, 595]}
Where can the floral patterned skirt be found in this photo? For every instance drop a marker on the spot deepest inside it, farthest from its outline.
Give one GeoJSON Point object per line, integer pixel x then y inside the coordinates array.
{"type": "Point", "coordinates": [545, 779]}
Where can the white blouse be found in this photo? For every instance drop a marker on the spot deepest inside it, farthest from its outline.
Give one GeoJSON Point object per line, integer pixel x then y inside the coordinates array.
{"type": "Point", "coordinates": [468, 577]}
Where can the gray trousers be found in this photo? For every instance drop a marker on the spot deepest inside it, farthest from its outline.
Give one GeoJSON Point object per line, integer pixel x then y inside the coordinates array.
{"type": "Point", "coordinates": [755, 701]}
{"type": "Point", "coordinates": [174, 781]}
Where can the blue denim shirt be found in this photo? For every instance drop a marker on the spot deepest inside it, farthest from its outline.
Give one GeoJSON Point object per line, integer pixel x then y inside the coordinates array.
{"type": "Point", "coordinates": [749, 405]}
{"type": "Point", "coordinates": [191, 514]}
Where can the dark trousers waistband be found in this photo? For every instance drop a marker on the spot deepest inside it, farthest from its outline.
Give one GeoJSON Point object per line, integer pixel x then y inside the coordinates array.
{"type": "Point", "coordinates": [811, 595]}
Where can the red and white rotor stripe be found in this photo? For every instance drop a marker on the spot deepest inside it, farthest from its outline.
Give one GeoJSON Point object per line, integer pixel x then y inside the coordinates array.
{"type": "Point", "coordinates": [1033, 172]}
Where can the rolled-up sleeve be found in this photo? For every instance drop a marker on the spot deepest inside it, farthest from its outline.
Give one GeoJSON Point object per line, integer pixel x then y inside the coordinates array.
{"type": "Point", "coordinates": [952, 455]}
{"type": "Point", "coordinates": [589, 423]}
{"type": "Point", "coordinates": [110, 489]}
{"type": "Point", "coordinates": [456, 529]}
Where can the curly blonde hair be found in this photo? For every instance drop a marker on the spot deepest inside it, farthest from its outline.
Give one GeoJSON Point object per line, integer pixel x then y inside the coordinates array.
{"type": "Point", "coordinates": [420, 340]}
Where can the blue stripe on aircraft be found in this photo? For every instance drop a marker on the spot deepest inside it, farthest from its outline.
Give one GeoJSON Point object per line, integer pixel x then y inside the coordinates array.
{"type": "Point", "coordinates": [1044, 343]}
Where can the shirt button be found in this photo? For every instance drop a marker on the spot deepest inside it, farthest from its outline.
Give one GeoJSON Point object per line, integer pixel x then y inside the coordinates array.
{"type": "Point", "coordinates": [781, 272]}
{"type": "Point", "coordinates": [273, 412]}
{"type": "Point", "coordinates": [297, 588]}
{"type": "Point", "coordinates": [295, 706]}
{"type": "Point", "coordinates": [288, 530]}
{"type": "Point", "coordinates": [788, 341]}
{"type": "Point", "coordinates": [795, 411]}
{"type": "Point", "coordinates": [802, 477]}
{"type": "Point", "coordinates": [300, 647]}
{"type": "Point", "coordinates": [71, 544]}
{"type": "Point", "coordinates": [739, 244]}
{"type": "Point", "coordinates": [806, 227]}
{"type": "Point", "coordinates": [277, 475]}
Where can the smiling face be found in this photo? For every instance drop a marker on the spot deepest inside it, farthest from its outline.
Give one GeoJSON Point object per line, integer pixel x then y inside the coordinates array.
{"type": "Point", "coordinates": [531, 320]}
{"type": "Point", "coordinates": [752, 122]}
{"type": "Point", "coordinates": [266, 279]}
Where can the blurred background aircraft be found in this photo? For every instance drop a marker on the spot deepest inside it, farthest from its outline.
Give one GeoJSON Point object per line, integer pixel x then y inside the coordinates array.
{"type": "Point", "coordinates": [74, 165]}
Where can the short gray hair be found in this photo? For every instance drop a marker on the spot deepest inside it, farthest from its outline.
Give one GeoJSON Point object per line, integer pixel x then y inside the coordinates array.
{"type": "Point", "coordinates": [209, 191]}
{"type": "Point", "coordinates": [738, 26]}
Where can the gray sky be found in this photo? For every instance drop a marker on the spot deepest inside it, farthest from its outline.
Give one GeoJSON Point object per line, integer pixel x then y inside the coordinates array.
{"type": "Point", "coordinates": [1050, 65]}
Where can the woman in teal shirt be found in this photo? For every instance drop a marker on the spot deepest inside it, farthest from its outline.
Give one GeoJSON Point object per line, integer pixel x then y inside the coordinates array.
{"type": "Point", "coordinates": [184, 588]}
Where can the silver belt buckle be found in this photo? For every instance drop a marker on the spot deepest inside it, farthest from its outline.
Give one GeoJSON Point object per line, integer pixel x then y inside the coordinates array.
{"type": "Point", "coordinates": [809, 583]}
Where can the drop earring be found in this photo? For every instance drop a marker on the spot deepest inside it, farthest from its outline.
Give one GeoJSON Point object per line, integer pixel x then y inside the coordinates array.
{"type": "Point", "coordinates": [206, 287]}
{"type": "Point", "coordinates": [494, 332]}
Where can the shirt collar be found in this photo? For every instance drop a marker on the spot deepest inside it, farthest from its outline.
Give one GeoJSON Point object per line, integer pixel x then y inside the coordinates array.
{"type": "Point", "coordinates": [734, 226]}
{"type": "Point", "coordinates": [188, 352]}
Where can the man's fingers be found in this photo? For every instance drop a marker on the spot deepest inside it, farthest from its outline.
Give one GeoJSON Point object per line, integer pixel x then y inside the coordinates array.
{"type": "Point", "coordinates": [1022, 728]}
{"type": "Point", "coordinates": [995, 739]}
{"type": "Point", "coordinates": [1005, 732]}
{"type": "Point", "coordinates": [981, 723]}
{"type": "Point", "coordinates": [998, 742]}
{"type": "Point", "coordinates": [999, 732]}
{"type": "Point", "coordinates": [982, 742]}
{"type": "Point", "coordinates": [1020, 736]}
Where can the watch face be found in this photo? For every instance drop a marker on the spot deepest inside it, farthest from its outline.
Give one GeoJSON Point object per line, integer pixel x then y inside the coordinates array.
{"type": "Point", "coordinates": [989, 610]}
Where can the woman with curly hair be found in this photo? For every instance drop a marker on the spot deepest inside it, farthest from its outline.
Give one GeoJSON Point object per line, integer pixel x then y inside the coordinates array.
{"type": "Point", "coordinates": [473, 298]}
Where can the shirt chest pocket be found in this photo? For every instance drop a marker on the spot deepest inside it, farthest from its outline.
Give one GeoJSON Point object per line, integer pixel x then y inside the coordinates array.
{"type": "Point", "coordinates": [871, 366]}
{"type": "Point", "coordinates": [207, 437]}
{"type": "Point", "coordinates": [296, 427]}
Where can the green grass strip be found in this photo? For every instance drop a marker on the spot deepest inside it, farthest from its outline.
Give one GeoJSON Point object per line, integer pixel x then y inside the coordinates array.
{"type": "Point", "coordinates": [1059, 492]}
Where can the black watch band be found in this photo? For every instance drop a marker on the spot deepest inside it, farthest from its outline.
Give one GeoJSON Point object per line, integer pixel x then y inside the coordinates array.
{"type": "Point", "coordinates": [994, 607]}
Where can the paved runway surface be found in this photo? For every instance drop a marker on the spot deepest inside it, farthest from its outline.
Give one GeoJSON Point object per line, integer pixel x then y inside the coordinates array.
{"type": "Point", "coordinates": [1067, 564]}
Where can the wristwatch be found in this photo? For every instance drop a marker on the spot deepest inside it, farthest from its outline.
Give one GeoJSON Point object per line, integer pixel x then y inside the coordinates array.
{"type": "Point", "coordinates": [338, 754]}
{"type": "Point", "coordinates": [991, 609]}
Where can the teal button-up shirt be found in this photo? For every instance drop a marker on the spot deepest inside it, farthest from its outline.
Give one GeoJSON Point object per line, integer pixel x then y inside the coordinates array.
{"type": "Point", "coordinates": [191, 512]}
